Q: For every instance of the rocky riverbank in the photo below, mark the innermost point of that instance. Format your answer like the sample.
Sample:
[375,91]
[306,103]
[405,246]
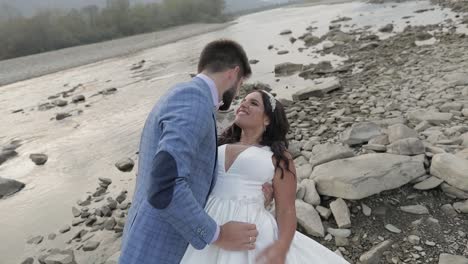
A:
[380,145]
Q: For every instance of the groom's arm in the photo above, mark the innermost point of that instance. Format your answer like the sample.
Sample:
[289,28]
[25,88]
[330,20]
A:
[184,122]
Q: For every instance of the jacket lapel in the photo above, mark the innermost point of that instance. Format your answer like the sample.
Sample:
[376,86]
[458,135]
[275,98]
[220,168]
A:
[215,174]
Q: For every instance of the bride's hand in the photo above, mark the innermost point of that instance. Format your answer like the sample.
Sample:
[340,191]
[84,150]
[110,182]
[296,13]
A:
[273,254]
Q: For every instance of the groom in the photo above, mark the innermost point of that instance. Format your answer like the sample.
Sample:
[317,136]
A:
[177,166]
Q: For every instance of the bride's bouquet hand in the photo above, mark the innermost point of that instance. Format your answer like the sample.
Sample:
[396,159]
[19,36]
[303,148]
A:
[273,254]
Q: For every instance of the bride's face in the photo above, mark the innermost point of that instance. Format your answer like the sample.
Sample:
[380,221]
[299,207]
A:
[251,112]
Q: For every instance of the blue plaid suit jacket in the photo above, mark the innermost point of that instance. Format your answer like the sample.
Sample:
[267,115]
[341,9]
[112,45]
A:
[177,166]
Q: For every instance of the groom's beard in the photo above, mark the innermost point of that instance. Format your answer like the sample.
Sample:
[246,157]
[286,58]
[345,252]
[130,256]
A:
[228,97]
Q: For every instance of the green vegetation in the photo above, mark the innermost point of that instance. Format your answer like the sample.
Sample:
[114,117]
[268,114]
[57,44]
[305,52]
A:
[55,29]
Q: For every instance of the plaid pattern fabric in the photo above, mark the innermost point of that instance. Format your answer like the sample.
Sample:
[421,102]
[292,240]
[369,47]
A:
[182,124]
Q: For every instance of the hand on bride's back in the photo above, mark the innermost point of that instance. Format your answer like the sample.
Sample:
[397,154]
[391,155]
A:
[237,236]
[273,254]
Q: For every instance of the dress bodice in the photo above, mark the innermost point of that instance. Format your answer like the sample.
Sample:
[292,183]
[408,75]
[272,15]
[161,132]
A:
[249,171]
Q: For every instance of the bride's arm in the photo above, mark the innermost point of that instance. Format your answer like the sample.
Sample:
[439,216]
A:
[284,184]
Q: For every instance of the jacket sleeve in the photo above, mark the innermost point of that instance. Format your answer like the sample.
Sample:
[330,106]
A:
[185,120]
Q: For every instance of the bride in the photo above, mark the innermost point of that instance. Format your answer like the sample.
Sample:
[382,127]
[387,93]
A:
[251,152]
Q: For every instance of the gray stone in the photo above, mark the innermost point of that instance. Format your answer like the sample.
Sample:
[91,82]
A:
[318,90]
[90,245]
[9,187]
[311,195]
[303,172]
[35,240]
[453,191]
[123,195]
[374,255]
[461,207]
[64,229]
[392,228]
[78,221]
[106,181]
[60,259]
[375,147]
[360,133]
[366,210]
[387,28]
[432,117]
[125,165]
[399,131]
[344,233]
[415,240]
[51,236]
[428,184]
[300,192]
[449,210]
[309,219]
[464,139]
[286,32]
[287,68]
[61,116]
[78,99]
[28,261]
[7,154]
[368,46]
[38,159]
[325,213]
[452,169]
[110,224]
[407,146]
[450,106]
[76,212]
[60,102]
[327,152]
[341,213]
[282,52]
[415,209]
[452,259]
[379,140]
[360,177]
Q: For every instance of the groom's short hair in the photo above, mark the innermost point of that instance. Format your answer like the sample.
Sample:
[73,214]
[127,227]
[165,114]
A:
[224,54]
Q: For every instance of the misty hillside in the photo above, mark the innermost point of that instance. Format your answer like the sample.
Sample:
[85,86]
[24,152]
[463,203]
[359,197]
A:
[240,5]
[28,7]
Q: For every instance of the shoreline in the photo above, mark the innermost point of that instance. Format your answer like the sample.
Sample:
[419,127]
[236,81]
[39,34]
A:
[36,65]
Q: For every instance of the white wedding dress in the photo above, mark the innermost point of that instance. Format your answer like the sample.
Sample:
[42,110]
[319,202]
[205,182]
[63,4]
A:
[238,196]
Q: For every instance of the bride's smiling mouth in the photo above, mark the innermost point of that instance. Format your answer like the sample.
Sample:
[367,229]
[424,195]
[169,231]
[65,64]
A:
[242,110]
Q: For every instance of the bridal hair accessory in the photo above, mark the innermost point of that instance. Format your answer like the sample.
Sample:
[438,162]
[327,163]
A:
[272,100]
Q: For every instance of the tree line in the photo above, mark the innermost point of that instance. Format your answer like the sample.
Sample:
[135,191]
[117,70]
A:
[52,29]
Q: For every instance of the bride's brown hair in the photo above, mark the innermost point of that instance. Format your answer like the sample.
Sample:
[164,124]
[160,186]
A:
[274,135]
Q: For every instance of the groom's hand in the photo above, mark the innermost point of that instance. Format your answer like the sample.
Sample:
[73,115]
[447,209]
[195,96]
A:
[268,192]
[237,236]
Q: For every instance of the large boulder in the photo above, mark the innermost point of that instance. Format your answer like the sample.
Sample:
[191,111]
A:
[452,259]
[452,169]
[309,219]
[287,68]
[360,177]
[400,131]
[327,152]
[9,187]
[432,117]
[407,146]
[360,133]
[318,90]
